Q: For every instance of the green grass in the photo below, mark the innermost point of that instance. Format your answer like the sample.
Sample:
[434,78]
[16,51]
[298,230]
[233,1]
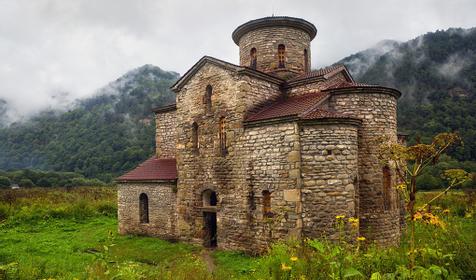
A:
[72,234]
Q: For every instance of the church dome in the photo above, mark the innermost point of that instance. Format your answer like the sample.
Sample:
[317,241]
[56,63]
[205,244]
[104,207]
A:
[278,45]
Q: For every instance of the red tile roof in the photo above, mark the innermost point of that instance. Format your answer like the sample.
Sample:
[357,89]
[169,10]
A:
[349,85]
[288,107]
[318,73]
[324,114]
[151,170]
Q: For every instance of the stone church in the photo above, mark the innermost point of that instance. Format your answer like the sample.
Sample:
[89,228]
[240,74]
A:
[266,150]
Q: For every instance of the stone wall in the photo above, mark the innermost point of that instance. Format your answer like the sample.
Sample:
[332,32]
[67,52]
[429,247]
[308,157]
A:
[266,41]
[162,199]
[273,164]
[329,154]
[376,107]
[165,134]
[232,96]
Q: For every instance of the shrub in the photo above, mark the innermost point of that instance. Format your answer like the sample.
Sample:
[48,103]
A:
[108,209]
[45,183]
[5,211]
[4,182]
[77,182]
[428,182]
[26,183]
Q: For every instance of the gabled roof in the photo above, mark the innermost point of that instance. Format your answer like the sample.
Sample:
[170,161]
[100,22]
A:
[153,169]
[226,65]
[323,73]
[289,107]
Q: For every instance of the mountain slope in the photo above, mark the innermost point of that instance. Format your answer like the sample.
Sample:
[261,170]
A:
[102,136]
[436,73]
[360,62]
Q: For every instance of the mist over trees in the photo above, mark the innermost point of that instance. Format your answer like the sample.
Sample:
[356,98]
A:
[103,136]
[436,73]
[113,131]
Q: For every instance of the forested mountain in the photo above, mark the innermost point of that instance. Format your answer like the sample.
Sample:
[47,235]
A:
[101,136]
[3,111]
[436,73]
[112,132]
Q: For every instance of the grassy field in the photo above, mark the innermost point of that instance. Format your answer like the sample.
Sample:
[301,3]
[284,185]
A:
[71,234]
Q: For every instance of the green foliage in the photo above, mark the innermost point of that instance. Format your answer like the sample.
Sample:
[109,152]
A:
[30,178]
[45,183]
[38,205]
[101,137]
[63,233]
[428,182]
[26,183]
[5,182]
[436,73]
[442,253]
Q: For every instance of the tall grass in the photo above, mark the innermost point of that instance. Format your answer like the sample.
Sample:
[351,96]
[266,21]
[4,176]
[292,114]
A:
[42,204]
[447,252]
[71,234]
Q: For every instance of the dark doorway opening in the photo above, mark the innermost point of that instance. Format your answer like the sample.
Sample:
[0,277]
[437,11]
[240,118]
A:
[210,229]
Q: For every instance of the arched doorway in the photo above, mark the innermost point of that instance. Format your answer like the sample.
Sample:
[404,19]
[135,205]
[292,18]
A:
[209,199]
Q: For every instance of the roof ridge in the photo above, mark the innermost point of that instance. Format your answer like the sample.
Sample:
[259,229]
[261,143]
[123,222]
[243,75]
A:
[316,106]
[225,64]
[323,72]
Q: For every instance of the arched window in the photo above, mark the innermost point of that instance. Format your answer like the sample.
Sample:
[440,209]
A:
[267,204]
[195,142]
[209,198]
[143,208]
[281,56]
[387,185]
[222,136]
[207,98]
[306,61]
[253,58]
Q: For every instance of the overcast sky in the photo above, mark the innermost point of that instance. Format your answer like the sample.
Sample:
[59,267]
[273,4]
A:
[53,51]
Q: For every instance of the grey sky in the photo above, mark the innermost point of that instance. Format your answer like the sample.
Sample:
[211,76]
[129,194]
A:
[53,51]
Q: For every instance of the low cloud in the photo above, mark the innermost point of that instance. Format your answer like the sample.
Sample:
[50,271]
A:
[55,51]
[453,65]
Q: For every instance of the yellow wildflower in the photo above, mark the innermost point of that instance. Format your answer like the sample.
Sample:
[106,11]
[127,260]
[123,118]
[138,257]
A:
[360,238]
[340,217]
[433,220]
[410,252]
[284,267]
[417,216]
[294,258]
[354,222]
[401,187]
[446,211]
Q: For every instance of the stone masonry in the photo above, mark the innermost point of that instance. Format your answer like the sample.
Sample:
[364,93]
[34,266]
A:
[251,155]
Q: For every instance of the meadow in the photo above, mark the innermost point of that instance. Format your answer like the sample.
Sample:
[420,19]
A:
[71,233]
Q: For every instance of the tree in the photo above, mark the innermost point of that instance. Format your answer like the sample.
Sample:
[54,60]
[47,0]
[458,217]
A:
[44,182]
[410,163]
[4,182]
[26,183]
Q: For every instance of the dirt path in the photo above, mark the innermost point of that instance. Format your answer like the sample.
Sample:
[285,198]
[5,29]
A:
[206,255]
